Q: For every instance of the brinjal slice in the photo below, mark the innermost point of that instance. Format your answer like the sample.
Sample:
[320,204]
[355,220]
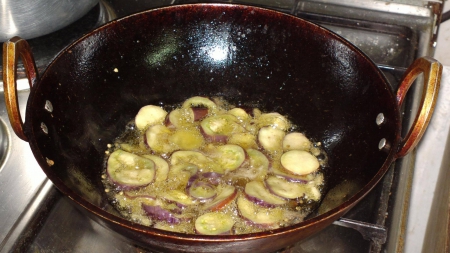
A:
[186,139]
[245,140]
[296,141]
[190,157]
[218,128]
[226,194]
[178,197]
[180,174]
[239,113]
[271,139]
[299,162]
[159,213]
[202,190]
[149,115]
[285,189]
[161,166]
[259,163]
[257,192]
[157,137]
[129,171]
[289,176]
[214,224]
[274,120]
[180,118]
[199,102]
[259,215]
[229,157]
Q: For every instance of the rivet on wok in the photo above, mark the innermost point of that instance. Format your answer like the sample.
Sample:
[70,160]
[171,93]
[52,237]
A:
[44,128]
[380,119]
[48,106]
[382,144]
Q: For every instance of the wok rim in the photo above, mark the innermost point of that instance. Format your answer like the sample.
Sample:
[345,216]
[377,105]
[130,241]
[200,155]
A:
[325,218]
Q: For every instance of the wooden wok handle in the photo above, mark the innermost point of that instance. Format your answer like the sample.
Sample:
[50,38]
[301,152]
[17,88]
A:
[432,71]
[11,50]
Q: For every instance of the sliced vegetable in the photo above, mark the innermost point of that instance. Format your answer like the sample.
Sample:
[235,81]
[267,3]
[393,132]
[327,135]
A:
[157,137]
[159,213]
[190,157]
[274,120]
[259,163]
[229,157]
[134,202]
[312,192]
[257,192]
[199,102]
[202,190]
[199,113]
[183,168]
[216,138]
[245,140]
[269,217]
[128,171]
[180,117]
[178,197]
[149,115]
[212,177]
[180,174]
[285,189]
[296,141]
[214,224]
[239,113]
[289,176]
[187,139]
[299,162]
[271,138]
[209,177]
[161,166]
[218,128]
[256,170]
[226,194]
[203,166]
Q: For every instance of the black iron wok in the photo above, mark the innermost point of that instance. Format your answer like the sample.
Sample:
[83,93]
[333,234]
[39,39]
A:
[248,55]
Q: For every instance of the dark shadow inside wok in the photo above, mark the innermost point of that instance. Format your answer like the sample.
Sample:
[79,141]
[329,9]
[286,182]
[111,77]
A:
[247,55]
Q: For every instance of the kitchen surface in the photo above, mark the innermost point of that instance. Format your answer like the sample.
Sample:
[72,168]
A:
[37,218]
[430,160]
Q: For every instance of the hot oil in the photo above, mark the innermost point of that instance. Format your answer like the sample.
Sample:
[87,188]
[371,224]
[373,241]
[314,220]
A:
[133,141]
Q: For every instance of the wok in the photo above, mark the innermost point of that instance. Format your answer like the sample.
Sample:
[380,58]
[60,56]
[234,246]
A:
[248,55]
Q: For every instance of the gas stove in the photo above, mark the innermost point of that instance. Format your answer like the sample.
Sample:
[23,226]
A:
[35,217]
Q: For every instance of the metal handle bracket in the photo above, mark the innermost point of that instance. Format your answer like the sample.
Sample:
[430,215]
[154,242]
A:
[12,49]
[432,72]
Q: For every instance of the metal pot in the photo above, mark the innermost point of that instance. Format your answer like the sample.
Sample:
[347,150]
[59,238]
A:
[327,86]
[30,19]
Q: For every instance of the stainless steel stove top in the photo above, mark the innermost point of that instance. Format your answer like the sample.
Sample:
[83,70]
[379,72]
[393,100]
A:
[35,217]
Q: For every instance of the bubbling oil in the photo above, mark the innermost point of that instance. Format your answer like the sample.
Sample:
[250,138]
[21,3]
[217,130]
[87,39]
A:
[130,202]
